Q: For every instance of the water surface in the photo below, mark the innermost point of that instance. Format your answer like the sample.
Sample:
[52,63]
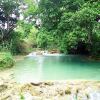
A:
[43,68]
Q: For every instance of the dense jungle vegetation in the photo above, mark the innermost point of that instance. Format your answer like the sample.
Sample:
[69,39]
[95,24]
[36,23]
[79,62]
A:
[70,26]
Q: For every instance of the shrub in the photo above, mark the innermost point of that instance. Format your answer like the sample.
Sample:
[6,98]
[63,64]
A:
[42,39]
[19,44]
[46,39]
[23,47]
[31,39]
[6,60]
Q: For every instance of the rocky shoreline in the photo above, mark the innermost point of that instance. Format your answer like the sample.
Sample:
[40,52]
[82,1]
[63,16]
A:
[65,90]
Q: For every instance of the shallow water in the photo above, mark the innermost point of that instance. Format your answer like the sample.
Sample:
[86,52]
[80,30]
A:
[57,67]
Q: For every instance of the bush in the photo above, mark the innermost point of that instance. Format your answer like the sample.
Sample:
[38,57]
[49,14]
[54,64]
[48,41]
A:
[46,39]
[42,38]
[23,42]
[20,45]
[23,47]
[31,39]
[6,60]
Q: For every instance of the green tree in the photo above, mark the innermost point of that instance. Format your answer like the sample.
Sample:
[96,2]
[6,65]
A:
[73,23]
[8,17]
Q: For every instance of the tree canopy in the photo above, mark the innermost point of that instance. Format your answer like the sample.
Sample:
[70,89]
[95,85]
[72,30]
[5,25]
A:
[71,26]
[8,17]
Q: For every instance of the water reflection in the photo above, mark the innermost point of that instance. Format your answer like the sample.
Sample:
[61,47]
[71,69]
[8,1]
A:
[39,67]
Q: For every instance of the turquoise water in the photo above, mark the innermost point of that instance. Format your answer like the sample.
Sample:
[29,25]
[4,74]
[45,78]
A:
[70,67]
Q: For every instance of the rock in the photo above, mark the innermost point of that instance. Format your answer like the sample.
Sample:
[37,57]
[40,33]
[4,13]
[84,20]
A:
[27,96]
[94,95]
[48,83]
[10,90]
[1,81]
[36,83]
[39,53]
[54,51]
[68,91]
[61,92]
[3,87]
[6,98]
[36,98]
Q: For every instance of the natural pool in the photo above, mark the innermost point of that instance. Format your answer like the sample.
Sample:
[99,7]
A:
[56,67]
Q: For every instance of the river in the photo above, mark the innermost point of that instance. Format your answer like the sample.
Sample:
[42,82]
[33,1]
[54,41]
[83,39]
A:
[56,67]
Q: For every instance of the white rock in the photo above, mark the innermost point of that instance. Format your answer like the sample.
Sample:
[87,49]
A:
[95,96]
[28,96]
[1,82]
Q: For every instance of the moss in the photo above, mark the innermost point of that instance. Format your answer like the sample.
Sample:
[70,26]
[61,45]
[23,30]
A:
[6,60]
[22,97]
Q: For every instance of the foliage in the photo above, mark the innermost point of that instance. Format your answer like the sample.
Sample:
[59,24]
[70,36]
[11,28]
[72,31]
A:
[19,45]
[46,40]
[27,37]
[31,8]
[52,10]
[74,24]
[23,28]
[8,18]
[6,60]
[32,37]
[14,32]
[22,97]
[42,39]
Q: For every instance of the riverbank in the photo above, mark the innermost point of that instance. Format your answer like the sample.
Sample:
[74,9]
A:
[65,90]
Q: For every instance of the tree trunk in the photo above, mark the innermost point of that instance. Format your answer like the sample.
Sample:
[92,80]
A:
[8,26]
